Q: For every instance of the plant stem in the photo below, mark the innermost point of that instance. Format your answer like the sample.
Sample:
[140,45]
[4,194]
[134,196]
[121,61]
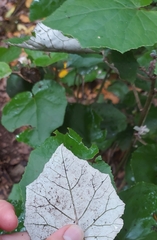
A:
[124,160]
[143,116]
[102,85]
[137,97]
[148,103]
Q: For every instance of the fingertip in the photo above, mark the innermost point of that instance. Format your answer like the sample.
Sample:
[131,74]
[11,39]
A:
[69,232]
[8,218]
[74,232]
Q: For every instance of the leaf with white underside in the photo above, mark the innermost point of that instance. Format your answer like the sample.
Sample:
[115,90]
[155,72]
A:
[51,40]
[70,191]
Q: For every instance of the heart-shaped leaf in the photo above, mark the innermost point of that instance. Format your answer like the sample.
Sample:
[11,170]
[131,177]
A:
[46,111]
[116,24]
[70,191]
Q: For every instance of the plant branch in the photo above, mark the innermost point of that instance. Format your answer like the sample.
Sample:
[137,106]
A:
[152,78]
[143,77]
[102,85]
[148,103]
[137,97]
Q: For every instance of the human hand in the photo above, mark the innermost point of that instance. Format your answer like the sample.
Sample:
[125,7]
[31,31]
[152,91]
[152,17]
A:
[9,221]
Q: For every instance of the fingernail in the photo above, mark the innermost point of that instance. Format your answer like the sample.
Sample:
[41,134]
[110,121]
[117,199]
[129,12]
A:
[74,232]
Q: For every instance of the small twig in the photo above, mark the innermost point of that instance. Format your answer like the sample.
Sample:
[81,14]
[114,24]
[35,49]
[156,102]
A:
[83,92]
[19,6]
[20,75]
[78,88]
[143,77]
[102,85]
[124,160]
[137,97]
[152,78]
[148,103]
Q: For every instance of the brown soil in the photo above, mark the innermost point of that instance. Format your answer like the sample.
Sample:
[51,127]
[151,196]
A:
[13,155]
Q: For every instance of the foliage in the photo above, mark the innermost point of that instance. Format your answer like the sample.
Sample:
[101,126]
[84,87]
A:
[51,97]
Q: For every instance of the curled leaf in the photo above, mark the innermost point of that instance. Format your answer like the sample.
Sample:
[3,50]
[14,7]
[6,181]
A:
[70,191]
[51,40]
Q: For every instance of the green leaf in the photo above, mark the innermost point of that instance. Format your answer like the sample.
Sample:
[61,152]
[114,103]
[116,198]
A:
[151,122]
[16,84]
[16,193]
[113,120]
[42,59]
[4,70]
[145,156]
[9,54]
[120,89]
[90,75]
[17,40]
[90,21]
[42,154]
[141,205]
[84,60]
[87,124]
[126,65]
[42,109]
[104,168]
[73,142]
[124,138]
[69,79]
[42,8]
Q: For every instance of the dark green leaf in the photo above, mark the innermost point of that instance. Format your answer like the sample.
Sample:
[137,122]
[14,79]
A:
[151,121]
[126,65]
[87,124]
[144,164]
[124,138]
[120,89]
[84,60]
[113,120]
[16,84]
[42,8]
[141,204]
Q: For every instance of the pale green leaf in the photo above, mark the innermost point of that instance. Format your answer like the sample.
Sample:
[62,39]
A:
[4,70]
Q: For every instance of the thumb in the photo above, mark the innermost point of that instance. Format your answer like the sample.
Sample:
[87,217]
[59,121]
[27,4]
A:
[69,232]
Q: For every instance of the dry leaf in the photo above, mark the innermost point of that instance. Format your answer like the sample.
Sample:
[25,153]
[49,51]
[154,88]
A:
[28,3]
[70,191]
[24,18]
